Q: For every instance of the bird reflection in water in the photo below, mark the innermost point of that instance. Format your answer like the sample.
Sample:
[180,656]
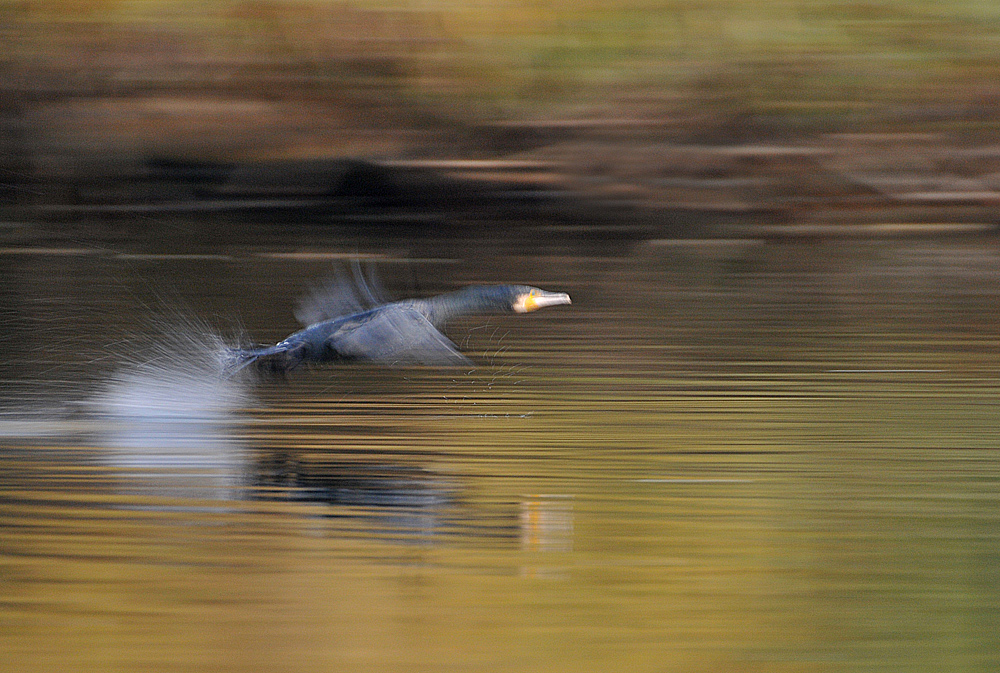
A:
[388,499]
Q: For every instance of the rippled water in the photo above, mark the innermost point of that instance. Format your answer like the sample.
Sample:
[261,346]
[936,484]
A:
[724,456]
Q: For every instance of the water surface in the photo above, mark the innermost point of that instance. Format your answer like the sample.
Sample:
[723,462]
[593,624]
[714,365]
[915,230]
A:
[724,456]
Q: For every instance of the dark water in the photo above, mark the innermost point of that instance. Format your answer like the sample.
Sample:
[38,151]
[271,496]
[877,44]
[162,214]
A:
[724,456]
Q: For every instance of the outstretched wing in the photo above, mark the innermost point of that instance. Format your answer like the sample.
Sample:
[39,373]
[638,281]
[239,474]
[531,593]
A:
[341,295]
[395,334]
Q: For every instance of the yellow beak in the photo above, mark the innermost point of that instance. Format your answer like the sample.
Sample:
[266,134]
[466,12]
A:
[537,300]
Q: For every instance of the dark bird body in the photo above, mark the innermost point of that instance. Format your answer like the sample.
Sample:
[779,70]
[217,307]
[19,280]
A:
[404,332]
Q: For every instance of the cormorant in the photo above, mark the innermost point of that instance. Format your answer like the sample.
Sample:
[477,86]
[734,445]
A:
[402,332]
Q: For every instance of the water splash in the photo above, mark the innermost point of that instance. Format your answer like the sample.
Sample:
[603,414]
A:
[180,372]
[168,412]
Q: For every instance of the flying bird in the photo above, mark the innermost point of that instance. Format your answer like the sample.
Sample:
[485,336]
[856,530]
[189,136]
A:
[407,332]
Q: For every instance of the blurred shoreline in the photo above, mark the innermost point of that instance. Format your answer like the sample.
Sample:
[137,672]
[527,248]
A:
[686,119]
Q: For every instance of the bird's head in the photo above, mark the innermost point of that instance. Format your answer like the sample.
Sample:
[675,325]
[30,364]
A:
[526,299]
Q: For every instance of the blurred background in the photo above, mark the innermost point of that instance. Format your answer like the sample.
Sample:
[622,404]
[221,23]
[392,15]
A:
[762,438]
[806,109]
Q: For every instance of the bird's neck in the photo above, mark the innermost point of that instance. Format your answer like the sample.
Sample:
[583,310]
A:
[441,309]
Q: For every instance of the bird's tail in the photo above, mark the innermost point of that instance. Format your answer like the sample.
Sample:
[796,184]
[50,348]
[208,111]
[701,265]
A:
[279,359]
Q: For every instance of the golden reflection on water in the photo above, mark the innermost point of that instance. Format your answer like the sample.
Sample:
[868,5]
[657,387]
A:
[782,461]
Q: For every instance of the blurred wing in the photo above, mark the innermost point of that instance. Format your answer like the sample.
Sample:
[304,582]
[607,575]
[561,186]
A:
[344,294]
[396,335]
